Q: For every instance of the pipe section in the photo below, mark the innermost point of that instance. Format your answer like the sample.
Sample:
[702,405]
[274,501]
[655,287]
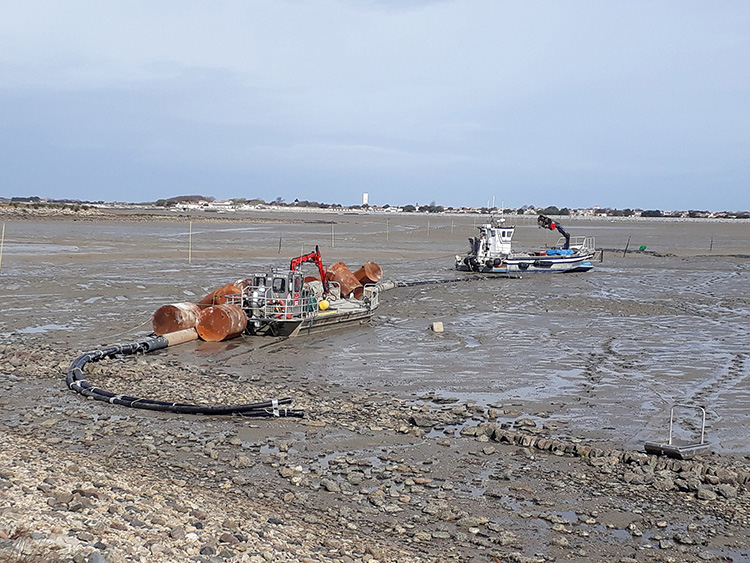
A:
[369,273]
[340,273]
[174,317]
[221,322]
[219,296]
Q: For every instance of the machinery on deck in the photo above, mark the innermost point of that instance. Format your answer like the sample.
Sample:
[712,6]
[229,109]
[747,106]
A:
[284,302]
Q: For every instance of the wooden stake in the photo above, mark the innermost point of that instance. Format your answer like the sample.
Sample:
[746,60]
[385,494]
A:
[626,248]
[190,244]
[2,243]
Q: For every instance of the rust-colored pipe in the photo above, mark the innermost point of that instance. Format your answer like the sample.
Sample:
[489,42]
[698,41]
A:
[221,322]
[369,273]
[340,273]
[175,317]
[181,336]
[219,296]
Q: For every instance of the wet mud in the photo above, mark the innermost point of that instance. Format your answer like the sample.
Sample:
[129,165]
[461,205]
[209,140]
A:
[596,358]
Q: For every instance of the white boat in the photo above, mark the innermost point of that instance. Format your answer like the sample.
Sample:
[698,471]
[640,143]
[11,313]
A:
[491,252]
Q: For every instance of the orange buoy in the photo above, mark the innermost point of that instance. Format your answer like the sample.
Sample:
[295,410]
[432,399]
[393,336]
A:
[369,273]
[174,317]
[219,296]
[220,322]
[339,272]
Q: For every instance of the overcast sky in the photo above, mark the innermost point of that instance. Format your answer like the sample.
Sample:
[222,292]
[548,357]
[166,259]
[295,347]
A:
[626,104]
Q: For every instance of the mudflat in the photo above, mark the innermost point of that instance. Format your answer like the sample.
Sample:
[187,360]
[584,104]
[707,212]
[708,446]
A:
[515,435]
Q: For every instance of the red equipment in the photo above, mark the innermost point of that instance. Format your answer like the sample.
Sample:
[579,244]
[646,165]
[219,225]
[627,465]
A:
[312,257]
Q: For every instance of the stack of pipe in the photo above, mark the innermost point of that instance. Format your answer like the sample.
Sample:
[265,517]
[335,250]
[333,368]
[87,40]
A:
[339,272]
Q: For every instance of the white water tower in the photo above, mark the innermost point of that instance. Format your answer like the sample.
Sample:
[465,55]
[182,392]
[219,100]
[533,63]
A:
[365,198]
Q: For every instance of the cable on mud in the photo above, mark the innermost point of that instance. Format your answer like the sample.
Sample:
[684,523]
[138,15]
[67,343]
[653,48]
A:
[76,381]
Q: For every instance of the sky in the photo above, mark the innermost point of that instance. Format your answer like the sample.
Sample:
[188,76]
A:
[620,104]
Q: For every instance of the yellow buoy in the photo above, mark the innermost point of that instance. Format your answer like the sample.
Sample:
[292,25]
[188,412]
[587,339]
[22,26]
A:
[323,305]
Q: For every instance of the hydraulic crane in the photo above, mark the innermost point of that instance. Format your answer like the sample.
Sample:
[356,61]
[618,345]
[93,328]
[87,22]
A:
[312,257]
[547,223]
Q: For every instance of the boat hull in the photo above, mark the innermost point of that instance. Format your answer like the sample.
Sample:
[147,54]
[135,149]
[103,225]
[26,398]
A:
[532,265]
[315,323]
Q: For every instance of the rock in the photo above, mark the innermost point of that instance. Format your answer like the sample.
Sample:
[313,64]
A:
[96,557]
[330,485]
[706,493]
[727,491]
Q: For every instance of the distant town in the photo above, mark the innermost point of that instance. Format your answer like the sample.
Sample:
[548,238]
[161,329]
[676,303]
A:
[208,204]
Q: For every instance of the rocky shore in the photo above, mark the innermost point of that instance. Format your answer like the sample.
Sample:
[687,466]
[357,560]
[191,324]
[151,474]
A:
[362,478]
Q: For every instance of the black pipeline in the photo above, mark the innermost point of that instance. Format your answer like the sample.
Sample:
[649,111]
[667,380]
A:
[77,382]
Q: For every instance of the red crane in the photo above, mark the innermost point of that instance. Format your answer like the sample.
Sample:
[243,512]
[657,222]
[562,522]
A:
[312,257]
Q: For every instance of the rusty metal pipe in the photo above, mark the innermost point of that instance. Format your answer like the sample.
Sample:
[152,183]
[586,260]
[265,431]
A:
[369,273]
[340,273]
[221,322]
[219,296]
[175,317]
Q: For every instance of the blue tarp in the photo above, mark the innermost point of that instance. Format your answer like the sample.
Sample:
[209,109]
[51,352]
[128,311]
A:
[559,252]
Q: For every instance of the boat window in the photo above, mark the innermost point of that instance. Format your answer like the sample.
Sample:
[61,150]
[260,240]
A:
[259,281]
[279,285]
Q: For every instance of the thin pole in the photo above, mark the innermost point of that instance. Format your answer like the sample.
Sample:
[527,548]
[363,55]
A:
[387,219]
[190,244]
[626,248]
[279,244]
[333,239]
[2,243]
[711,248]
[428,229]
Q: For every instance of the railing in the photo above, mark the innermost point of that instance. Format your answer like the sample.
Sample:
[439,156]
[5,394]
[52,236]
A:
[372,292]
[281,308]
[583,243]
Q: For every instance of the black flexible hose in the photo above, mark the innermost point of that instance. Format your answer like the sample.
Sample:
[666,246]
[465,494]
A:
[76,381]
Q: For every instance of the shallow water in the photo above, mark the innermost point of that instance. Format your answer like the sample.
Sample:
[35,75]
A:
[604,354]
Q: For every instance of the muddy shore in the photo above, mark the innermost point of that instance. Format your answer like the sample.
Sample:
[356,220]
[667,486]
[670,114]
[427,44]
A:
[516,435]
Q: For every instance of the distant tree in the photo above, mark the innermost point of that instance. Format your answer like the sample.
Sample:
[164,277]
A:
[409,208]
[652,213]
[551,210]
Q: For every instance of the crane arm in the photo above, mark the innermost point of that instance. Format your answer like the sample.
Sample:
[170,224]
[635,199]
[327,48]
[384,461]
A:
[547,223]
[312,257]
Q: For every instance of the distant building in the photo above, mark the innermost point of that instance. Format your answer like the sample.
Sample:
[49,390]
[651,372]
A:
[365,198]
